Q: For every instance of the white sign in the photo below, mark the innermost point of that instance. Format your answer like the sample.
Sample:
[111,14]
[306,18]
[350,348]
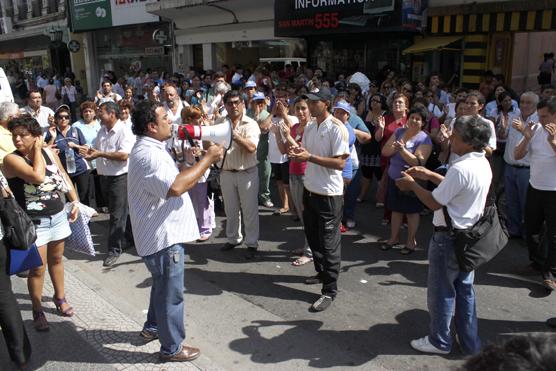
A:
[131,12]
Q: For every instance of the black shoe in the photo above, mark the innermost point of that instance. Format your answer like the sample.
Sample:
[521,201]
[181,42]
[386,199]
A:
[321,304]
[313,280]
[110,260]
[148,335]
[551,322]
[229,246]
[251,253]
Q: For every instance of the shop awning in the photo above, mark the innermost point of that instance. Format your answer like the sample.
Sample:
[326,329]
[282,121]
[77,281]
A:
[429,44]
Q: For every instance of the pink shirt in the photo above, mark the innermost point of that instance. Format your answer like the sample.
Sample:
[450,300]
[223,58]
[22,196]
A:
[297,168]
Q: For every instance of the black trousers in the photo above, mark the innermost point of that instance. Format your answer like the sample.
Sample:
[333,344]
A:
[114,190]
[321,217]
[13,330]
[83,186]
[540,209]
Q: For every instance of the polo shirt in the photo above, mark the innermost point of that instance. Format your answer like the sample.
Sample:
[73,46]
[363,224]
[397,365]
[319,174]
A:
[118,139]
[6,143]
[158,222]
[463,191]
[41,115]
[513,139]
[329,139]
[237,158]
[543,160]
[62,144]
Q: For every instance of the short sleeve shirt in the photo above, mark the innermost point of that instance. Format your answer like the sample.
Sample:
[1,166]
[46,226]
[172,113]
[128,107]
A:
[118,139]
[543,160]
[237,158]
[329,139]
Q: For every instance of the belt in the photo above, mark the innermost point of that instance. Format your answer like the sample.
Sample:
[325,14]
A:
[234,170]
[520,166]
[441,229]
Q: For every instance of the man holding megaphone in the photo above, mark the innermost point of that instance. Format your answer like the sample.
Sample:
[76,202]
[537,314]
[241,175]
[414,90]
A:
[163,220]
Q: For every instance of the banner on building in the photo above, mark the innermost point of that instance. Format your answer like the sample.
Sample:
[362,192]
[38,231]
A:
[86,15]
[315,17]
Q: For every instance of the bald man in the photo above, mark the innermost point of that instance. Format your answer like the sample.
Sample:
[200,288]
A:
[173,104]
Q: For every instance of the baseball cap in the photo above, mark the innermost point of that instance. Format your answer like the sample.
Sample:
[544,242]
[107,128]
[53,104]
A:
[250,84]
[320,95]
[343,105]
[62,106]
[258,96]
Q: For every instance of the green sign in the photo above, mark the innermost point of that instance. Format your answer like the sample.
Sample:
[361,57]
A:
[90,14]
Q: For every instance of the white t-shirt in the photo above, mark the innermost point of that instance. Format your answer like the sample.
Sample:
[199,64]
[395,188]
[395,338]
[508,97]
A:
[176,119]
[41,115]
[112,97]
[329,139]
[463,191]
[543,160]
[274,154]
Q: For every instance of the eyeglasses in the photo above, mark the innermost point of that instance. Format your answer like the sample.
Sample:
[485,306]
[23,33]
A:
[63,117]
[233,102]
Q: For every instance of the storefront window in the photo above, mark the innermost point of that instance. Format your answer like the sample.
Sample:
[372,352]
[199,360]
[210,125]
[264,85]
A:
[249,53]
[126,50]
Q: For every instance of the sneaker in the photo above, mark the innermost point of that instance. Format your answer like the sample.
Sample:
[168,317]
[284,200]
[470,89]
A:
[268,204]
[350,223]
[322,303]
[425,346]
[110,260]
[148,335]
[229,246]
[549,284]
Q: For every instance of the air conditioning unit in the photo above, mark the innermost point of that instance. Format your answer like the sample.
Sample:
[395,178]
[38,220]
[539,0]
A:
[6,24]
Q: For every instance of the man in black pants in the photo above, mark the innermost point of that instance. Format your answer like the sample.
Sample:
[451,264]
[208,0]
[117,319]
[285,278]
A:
[539,141]
[112,147]
[325,148]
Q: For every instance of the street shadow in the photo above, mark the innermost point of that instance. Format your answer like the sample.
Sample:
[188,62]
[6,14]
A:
[323,348]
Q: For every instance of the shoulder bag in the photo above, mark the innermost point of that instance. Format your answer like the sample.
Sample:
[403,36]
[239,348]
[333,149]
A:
[481,242]
[19,230]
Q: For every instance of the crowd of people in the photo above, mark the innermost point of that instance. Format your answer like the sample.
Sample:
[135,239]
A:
[323,143]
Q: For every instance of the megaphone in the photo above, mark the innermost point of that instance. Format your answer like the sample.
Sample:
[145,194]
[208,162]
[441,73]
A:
[219,134]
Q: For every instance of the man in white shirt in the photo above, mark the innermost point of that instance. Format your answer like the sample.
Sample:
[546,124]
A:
[539,142]
[111,150]
[173,104]
[516,172]
[475,102]
[163,219]
[34,107]
[106,94]
[463,191]
[325,148]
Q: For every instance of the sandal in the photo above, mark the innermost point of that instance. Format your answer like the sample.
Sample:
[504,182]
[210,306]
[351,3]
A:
[58,303]
[203,238]
[386,246]
[302,261]
[39,321]
[406,250]
[280,211]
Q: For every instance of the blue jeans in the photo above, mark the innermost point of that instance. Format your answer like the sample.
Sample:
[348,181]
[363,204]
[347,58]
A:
[516,182]
[350,198]
[166,306]
[450,291]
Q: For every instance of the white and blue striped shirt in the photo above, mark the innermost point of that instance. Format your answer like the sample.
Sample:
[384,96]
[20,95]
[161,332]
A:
[157,222]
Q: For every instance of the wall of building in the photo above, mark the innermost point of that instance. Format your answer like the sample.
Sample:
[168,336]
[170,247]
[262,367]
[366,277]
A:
[529,48]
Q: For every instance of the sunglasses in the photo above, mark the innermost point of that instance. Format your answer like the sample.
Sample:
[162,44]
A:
[63,117]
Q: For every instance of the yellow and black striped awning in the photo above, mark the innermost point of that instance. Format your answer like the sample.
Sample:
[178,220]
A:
[511,21]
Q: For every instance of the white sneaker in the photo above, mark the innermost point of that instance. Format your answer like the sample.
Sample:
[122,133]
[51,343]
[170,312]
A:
[350,223]
[425,346]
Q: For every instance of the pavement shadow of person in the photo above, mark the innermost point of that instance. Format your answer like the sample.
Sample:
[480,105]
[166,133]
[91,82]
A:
[415,273]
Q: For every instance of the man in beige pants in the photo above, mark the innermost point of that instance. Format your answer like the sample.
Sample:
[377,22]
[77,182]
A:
[239,178]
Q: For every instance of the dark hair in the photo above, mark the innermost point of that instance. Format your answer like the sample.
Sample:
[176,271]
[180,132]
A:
[144,114]
[231,94]
[477,94]
[124,105]
[32,91]
[519,353]
[88,105]
[548,103]
[421,112]
[111,107]
[27,122]
[383,101]
[61,109]
[474,131]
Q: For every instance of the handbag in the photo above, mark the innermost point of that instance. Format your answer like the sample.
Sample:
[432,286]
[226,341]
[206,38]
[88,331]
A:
[481,242]
[19,230]
[80,239]
[22,260]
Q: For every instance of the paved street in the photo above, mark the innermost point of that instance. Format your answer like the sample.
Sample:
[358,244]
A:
[253,315]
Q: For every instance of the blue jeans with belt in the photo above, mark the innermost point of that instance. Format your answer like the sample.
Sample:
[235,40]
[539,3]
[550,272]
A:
[450,293]
[166,307]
